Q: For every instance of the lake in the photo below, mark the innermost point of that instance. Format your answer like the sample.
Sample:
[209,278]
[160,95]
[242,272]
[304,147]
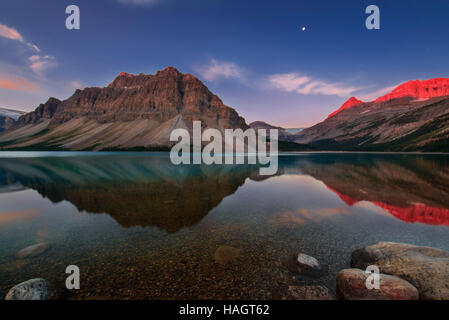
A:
[139,227]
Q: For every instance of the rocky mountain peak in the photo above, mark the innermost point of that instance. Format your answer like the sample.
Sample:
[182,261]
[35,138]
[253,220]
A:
[348,104]
[43,111]
[169,72]
[417,89]
[137,110]
[126,80]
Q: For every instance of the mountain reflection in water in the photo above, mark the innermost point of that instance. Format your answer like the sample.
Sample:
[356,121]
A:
[139,190]
[135,191]
[412,188]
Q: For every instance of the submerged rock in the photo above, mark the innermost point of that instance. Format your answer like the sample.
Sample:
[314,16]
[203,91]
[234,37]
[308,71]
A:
[425,268]
[309,293]
[226,254]
[33,251]
[305,261]
[34,289]
[304,264]
[351,285]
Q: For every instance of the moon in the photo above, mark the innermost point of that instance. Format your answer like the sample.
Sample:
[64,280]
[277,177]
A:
[303,28]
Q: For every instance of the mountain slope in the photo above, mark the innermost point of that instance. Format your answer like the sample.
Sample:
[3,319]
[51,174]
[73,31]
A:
[8,117]
[10,113]
[133,111]
[284,133]
[413,117]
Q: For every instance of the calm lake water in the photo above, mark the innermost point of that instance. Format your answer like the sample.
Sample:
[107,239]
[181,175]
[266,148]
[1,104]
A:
[139,227]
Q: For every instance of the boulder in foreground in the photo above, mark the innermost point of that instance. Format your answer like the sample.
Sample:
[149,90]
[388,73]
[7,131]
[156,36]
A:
[425,268]
[34,289]
[351,285]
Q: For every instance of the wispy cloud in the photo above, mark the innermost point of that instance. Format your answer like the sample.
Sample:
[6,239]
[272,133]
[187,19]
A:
[217,70]
[76,85]
[303,84]
[376,94]
[12,82]
[39,64]
[13,34]
[139,2]
[31,69]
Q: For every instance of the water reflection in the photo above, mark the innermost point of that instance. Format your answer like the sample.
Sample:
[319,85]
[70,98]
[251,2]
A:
[412,188]
[150,191]
[135,191]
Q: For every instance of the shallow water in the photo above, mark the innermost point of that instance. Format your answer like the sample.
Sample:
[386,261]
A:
[139,227]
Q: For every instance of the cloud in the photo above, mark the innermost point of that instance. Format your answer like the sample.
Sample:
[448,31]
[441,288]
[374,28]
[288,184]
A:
[10,33]
[302,84]
[217,70]
[138,2]
[13,34]
[376,94]
[17,84]
[76,85]
[39,64]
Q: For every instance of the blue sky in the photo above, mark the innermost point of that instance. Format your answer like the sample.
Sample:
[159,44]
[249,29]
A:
[252,54]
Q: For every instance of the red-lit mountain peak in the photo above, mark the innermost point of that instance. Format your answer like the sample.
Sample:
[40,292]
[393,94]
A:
[124,74]
[417,89]
[348,104]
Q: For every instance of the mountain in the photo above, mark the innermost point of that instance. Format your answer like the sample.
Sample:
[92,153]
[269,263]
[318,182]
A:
[285,137]
[293,130]
[284,133]
[133,111]
[412,117]
[399,184]
[10,113]
[427,89]
[8,117]
[348,104]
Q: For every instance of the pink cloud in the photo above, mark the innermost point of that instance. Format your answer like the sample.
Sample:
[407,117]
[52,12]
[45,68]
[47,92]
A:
[17,84]
[216,70]
[10,33]
[302,84]
[13,34]
[39,64]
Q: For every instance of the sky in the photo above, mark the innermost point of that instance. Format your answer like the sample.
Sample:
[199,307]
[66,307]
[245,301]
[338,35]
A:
[254,55]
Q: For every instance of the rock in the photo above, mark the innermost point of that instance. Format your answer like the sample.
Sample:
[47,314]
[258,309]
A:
[226,254]
[348,104]
[399,115]
[309,293]
[417,89]
[143,110]
[424,267]
[351,285]
[33,251]
[34,289]
[305,261]
[6,122]
[304,264]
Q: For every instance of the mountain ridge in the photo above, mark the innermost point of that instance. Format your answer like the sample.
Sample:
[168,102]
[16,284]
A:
[412,117]
[8,118]
[132,111]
